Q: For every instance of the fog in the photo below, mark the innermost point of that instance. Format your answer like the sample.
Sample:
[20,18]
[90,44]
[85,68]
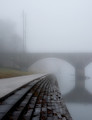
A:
[10,41]
[51,25]
[31,29]
[60,68]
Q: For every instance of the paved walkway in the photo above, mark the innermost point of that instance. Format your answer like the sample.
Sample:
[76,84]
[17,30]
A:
[10,84]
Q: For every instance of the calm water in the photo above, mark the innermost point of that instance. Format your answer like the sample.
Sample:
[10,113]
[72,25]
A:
[80,105]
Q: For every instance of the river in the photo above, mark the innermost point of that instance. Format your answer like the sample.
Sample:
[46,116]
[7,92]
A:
[80,105]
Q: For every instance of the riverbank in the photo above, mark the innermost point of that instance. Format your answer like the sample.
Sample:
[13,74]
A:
[8,73]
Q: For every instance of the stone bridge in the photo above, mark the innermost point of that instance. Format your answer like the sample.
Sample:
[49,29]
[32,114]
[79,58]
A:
[78,60]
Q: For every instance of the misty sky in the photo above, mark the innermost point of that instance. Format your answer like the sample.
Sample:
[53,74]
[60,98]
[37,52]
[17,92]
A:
[52,25]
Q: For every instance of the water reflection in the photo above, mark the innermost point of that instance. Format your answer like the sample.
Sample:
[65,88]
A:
[80,111]
[78,96]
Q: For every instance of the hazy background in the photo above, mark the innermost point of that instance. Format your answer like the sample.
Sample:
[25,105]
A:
[52,25]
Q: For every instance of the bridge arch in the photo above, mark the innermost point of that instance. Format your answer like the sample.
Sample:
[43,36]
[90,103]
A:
[89,62]
[36,58]
[52,59]
[63,70]
[88,74]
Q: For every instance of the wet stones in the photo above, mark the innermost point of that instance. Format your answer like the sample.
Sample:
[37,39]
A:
[37,101]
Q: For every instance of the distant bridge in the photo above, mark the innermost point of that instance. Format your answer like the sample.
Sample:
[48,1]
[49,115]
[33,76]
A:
[78,60]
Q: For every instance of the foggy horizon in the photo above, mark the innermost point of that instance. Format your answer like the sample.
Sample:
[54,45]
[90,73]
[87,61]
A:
[51,26]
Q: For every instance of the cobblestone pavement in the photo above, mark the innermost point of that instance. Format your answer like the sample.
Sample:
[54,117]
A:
[38,100]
